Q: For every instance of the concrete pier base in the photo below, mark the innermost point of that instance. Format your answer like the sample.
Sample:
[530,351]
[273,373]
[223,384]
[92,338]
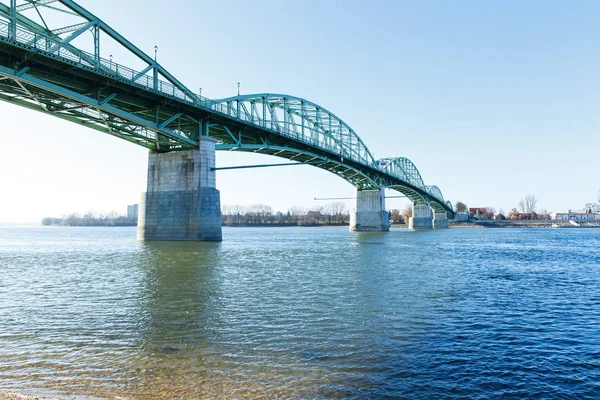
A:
[370,213]
[421,218]
[181,201]
[440,220]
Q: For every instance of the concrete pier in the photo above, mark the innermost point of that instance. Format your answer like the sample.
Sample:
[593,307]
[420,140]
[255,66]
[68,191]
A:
[181,201]
[440,220]
[370,213]
[421,218]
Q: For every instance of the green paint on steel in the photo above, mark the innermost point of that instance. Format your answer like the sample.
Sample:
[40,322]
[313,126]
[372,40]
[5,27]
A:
[265,165]
[42,69]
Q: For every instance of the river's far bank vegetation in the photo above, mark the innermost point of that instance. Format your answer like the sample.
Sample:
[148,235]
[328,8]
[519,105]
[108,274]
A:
[331,214]
[91,219]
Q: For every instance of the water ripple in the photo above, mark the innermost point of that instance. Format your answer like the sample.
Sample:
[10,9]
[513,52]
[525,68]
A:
[302,313]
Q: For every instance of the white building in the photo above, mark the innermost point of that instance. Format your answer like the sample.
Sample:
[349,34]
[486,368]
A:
[575,216]
[132,211]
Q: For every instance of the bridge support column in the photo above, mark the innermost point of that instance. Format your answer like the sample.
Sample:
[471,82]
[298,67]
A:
[181,201]
[370,214]
[440,220]
[421,218]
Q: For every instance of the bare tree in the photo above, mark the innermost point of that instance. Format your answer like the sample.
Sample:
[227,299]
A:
[522,205]
[226,209]
[543,214]
[460,207]
[528,204]
[531,203]
[335,208]
[297,211]
[489,213]
[407,213]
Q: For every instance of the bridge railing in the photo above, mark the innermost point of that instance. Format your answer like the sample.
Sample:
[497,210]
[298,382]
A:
[315,138]
[53,48]
[65,52]
[56,49]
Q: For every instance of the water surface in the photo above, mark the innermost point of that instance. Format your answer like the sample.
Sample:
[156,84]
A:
[302,313]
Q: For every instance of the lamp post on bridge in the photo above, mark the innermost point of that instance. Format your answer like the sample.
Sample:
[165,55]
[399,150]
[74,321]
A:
[200,93]
[238,88]
[155,51]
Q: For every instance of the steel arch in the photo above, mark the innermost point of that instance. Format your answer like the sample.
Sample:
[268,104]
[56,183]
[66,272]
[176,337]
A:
[298,119]
[436,192]
[66,72]
[404,169]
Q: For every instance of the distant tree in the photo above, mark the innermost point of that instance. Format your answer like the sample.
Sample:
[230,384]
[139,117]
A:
[460,207]
[335,208]
[225,209]
[297,211]
[489,213]
[522,205]
[73,219]
[396,215]
[528,204]
[407,213]
[335,212]
[52,221]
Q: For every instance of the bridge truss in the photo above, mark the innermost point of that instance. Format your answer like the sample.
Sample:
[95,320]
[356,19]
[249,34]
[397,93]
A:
[51,60]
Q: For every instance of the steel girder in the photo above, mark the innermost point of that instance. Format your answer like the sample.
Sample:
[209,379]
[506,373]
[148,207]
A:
[406,171]
[41,68]
[306,122]
[298,119]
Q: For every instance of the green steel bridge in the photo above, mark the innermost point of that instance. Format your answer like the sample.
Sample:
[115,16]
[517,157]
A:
[59,69]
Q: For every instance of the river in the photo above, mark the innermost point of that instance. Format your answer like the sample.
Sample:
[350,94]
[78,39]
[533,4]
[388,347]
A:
[313,313]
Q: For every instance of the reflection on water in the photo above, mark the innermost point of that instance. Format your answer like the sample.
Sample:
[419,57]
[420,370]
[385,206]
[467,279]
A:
[301,313]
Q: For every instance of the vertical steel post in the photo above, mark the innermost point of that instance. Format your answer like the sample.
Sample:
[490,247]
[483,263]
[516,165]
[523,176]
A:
[204,128]
[97,45]
[155,76]
[285,115]
[303,116]
[264,113]
[13,19]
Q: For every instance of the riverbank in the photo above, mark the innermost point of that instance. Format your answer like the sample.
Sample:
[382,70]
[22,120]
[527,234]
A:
[522,224]
[30,396]
[21,396]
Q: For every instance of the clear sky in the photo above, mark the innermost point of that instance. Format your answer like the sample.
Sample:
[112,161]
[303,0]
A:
[491,100]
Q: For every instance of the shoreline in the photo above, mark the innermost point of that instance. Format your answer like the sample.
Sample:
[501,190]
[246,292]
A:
[546,224]
[46,395]
[451,224]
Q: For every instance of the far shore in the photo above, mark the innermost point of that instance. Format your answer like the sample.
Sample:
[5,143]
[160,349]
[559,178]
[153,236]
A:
[523,224]
[451,224]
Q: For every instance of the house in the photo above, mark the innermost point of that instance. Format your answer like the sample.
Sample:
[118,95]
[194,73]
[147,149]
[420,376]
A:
[477,212]
[578,215]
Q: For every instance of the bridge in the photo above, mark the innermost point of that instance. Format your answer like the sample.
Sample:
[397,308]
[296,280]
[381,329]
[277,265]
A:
[51,61]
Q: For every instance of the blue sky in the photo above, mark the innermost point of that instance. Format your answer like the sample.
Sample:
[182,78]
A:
[491,100]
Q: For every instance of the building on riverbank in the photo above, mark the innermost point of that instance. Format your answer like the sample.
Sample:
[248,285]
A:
[132,211]
[579,215]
